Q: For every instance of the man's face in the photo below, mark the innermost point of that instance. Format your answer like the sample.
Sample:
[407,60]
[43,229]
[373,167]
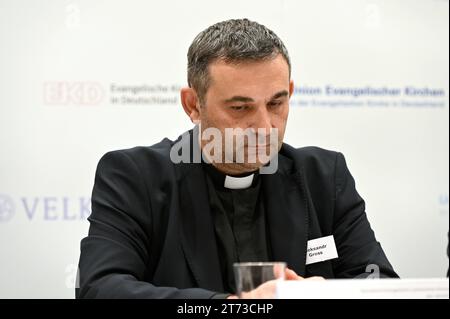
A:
[249,95]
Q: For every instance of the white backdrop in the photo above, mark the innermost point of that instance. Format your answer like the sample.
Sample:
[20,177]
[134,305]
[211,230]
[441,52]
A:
[80,78]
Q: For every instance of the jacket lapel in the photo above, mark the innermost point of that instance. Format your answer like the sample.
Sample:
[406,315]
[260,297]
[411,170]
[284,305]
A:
[287,215]
[196,226]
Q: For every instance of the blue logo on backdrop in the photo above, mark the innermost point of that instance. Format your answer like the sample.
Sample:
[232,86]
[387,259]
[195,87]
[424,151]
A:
[47,208]
[369,96]
[6,208]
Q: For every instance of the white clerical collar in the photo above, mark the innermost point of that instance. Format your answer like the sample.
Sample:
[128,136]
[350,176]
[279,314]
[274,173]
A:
[238,182]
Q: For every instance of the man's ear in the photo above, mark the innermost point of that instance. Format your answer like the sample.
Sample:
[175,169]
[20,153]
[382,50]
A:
[191,104]
[291,88]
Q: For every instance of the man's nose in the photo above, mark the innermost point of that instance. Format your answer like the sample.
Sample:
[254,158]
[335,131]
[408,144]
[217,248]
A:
[262,121]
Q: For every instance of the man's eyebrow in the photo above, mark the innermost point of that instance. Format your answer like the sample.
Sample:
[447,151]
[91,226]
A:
[238,98]
[279,94]
[246,99]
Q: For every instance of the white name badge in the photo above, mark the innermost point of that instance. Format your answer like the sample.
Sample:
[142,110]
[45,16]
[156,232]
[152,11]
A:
[321,249]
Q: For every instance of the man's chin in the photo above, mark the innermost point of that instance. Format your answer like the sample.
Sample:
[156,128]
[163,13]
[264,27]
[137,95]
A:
[239,168]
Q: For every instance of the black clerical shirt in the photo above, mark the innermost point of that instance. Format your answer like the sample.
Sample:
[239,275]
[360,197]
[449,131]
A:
[239,223]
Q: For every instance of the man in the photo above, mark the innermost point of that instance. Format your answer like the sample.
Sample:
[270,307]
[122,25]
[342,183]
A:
[168,223]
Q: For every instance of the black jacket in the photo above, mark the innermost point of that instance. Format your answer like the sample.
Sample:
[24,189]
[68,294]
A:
[151,233]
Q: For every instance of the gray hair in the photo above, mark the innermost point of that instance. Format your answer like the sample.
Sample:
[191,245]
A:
[232,41]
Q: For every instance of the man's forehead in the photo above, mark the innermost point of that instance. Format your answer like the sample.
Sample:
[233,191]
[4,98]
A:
[266,78]
[247,64]
[248,99]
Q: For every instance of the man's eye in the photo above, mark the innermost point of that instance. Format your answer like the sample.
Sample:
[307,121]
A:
[239,107]
[275,103]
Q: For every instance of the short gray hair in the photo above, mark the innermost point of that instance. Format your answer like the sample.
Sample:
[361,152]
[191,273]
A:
[233,41]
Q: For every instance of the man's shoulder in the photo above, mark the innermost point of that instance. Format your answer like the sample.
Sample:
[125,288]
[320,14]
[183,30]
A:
[319,167]
[310,155]
[316,164]
[143,156]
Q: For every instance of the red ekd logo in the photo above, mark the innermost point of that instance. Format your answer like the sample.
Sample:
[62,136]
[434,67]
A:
[73,93]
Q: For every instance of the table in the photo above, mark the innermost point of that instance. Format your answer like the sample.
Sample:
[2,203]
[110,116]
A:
[422,288]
